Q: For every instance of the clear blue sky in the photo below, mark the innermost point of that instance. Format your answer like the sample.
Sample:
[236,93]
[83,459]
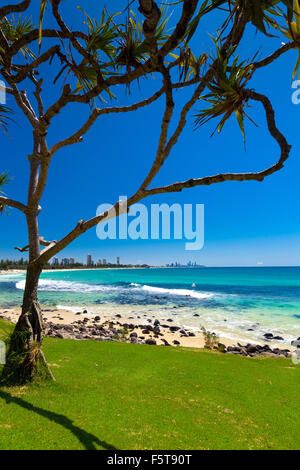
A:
[245,223]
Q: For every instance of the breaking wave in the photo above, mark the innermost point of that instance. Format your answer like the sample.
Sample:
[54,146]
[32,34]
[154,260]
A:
[181,292]
[66,286]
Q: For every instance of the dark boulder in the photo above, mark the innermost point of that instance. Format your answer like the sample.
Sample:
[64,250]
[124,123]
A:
[268,335]
[174,328]
[150,341]
[133,335]
[221,347]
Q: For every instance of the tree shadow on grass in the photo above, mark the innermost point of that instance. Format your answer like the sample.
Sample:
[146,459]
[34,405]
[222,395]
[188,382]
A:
[88,440]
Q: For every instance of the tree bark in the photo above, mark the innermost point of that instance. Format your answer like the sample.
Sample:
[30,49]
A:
[25,360]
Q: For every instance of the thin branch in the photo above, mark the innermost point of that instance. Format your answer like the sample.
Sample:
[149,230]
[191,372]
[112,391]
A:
[77,136]
[21,100]
[276,54]
[6,10]
[4,201]
[164,129]
[33,35]
[254,176]
[40,60]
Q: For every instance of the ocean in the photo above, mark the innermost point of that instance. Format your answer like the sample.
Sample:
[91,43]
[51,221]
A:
[233,302]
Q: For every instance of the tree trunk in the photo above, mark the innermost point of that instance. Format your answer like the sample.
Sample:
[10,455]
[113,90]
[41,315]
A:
[25,359]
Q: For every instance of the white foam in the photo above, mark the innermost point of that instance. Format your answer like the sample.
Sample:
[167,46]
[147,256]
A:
[181,292]
[74,309]
[66,286]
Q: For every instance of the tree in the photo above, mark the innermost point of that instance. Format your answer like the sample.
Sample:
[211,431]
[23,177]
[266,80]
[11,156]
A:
[120,50]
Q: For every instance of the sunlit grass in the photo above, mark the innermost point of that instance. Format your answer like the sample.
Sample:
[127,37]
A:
[125,396]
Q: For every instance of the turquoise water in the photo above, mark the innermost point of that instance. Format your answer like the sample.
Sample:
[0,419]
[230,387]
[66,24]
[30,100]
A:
[232,301]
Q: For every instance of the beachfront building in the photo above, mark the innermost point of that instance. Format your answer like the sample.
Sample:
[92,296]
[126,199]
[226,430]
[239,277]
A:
[104,261]
[118,259]
[89,261]
[55,262]
[72,260]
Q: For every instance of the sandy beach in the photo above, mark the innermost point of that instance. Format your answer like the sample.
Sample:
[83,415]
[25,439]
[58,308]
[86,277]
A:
[174,328]
[63,318]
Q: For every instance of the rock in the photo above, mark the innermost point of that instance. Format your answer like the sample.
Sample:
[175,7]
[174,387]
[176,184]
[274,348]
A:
[176,342]
[156,323]
[146,332]
[97,318]
[268,354]
[221,347]
[59,335]
[134,340]
[279,338]
[165,342]
[174,328]
[169,320]
[191,334]
[196,315]
[133,335]
[150,341]
[268,335]
[251,348]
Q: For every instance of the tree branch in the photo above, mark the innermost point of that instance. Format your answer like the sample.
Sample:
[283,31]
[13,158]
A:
[6,10]
[4,201]
[276,54]
[255,176]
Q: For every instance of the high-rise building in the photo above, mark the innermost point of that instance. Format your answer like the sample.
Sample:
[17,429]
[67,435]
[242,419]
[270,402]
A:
[89,261]
[99,262]
[72,260]
[55,262]
[65,261]
[118,259]
[104,261]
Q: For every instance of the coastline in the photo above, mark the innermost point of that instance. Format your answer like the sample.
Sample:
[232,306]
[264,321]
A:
[178,325]
[67,317]
[66,324]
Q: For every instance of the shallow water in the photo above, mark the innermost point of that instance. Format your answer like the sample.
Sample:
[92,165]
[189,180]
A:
[233,302]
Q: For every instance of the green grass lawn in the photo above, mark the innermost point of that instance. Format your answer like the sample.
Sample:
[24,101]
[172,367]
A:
[112,395]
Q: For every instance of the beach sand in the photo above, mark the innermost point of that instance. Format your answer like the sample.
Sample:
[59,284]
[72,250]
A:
[65,317]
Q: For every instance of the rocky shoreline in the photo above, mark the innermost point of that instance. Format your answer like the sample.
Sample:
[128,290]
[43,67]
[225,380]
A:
[148,334]
[82,326]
